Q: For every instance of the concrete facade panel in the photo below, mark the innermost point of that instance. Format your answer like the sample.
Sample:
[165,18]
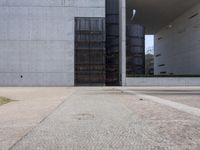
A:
[37,79]
[22,3]
[36,56]
[53,3]
[89,3]
[178,45]
[37,40]
[89,12]
[39,24]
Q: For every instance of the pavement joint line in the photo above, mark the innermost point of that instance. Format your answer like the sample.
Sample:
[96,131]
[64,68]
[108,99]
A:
[178,106]
[32,129]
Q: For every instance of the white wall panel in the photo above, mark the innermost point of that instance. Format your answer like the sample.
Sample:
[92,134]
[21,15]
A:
[179,46]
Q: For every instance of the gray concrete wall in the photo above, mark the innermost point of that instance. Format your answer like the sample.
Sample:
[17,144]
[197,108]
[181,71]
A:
[37,40]
[179,45]
[140,81]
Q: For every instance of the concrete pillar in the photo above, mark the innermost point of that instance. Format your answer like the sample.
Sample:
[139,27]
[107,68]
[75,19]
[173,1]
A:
[122,41]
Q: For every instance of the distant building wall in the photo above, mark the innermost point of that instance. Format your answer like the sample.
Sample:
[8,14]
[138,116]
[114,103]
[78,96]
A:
[177,45]
[37,40]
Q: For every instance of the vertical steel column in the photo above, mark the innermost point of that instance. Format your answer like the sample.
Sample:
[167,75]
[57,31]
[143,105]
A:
[122,41]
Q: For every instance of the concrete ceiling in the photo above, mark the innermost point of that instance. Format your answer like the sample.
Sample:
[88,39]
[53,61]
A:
[154,14]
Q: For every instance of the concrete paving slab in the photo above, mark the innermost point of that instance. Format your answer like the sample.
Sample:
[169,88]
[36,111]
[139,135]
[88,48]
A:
[109,118]
[185,95]
[187,98]
[178,106]
[31,105]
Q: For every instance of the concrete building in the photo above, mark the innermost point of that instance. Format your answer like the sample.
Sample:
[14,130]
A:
[39,38]
[177,45]
[176,26]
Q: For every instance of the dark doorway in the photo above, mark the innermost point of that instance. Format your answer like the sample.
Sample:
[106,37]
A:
[90,51]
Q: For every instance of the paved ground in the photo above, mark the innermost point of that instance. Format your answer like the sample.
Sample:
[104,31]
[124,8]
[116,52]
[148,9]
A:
[17,118]
[101,119]
[188,97]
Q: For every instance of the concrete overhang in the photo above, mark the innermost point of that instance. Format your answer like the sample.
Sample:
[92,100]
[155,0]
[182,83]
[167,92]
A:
[155,14]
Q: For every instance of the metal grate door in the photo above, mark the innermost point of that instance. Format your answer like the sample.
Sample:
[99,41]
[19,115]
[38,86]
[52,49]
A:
[112,42]
[90,51]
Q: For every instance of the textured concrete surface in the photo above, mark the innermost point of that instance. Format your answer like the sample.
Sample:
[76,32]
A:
[178,106]
[187,97]
[108,118]
[37,40]
[178,46]
[31,105]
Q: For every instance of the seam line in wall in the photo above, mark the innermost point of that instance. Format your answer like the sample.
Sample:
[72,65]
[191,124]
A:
[54,6]
[37,40]
[35,72]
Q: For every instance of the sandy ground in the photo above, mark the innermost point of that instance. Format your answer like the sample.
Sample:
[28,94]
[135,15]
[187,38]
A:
[100,118]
